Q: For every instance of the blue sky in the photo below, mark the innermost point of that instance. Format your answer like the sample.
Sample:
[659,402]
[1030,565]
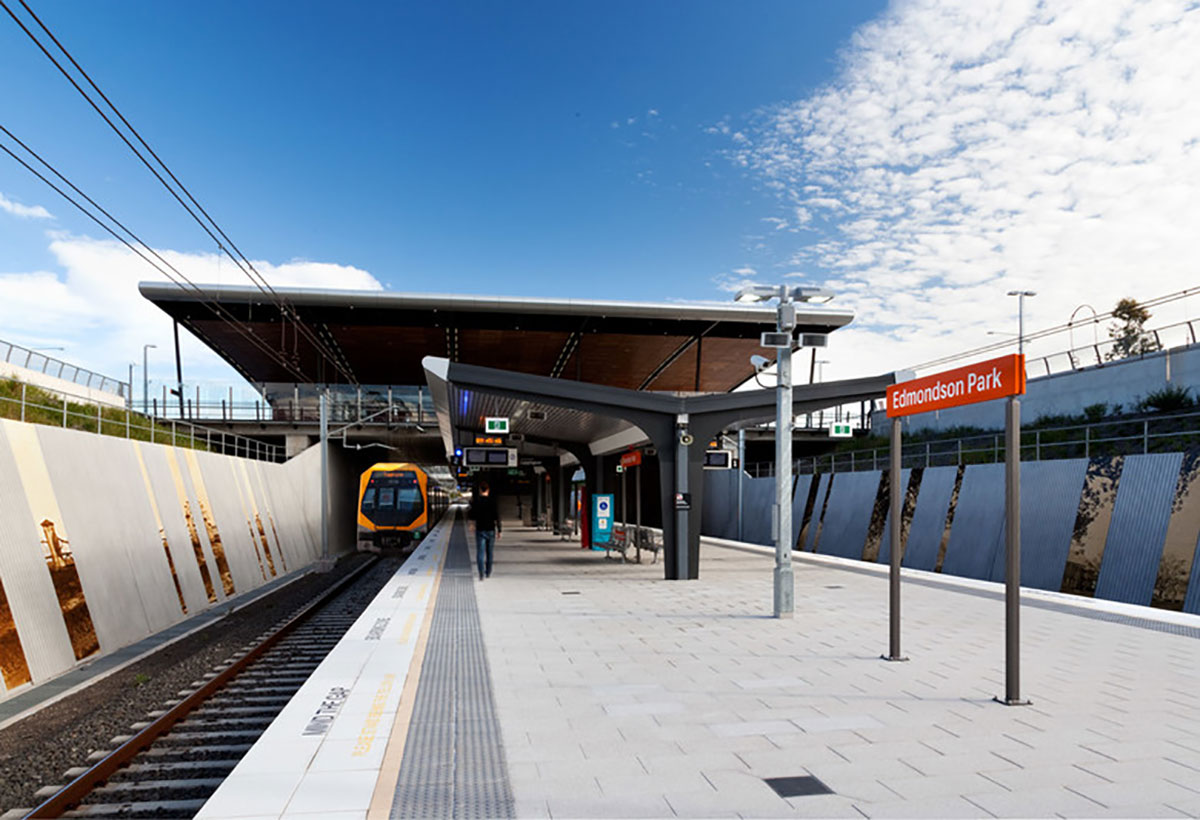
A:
[467,148]
[922,157]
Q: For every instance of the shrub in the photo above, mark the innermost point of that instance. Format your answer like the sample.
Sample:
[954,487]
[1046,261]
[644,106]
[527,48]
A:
[1170,398]
[1095,412]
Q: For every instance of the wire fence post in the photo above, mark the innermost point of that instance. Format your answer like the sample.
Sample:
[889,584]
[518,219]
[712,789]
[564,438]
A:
[64,412]
[1037,445]
[995,449]
[99,422]
[172,432]
[128,420]
[1087,442]
[152,430]
[1145,436]
[927,454]
[959,448]
[23,401]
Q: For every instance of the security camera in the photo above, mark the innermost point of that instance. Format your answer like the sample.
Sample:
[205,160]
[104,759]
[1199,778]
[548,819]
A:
[759,362]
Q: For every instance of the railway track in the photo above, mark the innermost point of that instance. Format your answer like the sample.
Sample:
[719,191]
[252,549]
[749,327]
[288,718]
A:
[177,757]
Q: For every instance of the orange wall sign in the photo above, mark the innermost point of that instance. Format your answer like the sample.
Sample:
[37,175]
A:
[631,459]
[993,379]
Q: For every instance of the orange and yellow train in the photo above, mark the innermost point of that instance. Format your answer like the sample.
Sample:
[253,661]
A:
[398,504]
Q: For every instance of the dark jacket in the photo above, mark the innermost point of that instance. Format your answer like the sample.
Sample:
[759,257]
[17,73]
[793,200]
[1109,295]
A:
[484,513]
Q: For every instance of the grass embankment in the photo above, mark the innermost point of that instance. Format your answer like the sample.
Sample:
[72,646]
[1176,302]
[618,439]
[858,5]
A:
[44,407]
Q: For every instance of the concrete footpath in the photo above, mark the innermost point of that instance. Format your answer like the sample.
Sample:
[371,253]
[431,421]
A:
[623,695]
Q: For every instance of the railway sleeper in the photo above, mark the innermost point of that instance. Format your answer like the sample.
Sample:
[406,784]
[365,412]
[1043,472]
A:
[155,809]
[217,723]
[169,753]
[214,767]
[222,738]
[250,710]
[181,789]
[249,700]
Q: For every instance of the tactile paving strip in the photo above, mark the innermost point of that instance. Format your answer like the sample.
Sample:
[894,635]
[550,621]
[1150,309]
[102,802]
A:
[454,762]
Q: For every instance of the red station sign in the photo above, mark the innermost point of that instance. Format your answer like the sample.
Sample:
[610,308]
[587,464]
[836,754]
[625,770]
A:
[631,459]
[983,381]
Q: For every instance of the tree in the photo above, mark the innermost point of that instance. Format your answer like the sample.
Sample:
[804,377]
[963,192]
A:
[1130,337]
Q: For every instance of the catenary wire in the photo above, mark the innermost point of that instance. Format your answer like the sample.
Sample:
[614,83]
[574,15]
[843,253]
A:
[166,268]
[287,310]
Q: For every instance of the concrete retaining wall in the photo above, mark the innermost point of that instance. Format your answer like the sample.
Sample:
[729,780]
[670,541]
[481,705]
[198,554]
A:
[1124,529]
[105,541]
[76,392]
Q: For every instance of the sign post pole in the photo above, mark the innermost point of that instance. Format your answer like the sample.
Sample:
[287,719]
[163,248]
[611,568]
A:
[983,381]
[894,543]
[1012,574]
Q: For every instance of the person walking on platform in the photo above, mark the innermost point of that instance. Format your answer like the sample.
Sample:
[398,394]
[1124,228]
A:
[486,516]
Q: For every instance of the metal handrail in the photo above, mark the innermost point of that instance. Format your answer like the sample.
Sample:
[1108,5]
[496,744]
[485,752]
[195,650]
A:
[1045,443]
[59,369]
[112,421]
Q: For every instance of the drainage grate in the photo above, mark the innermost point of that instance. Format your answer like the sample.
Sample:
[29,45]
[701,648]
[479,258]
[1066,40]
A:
[454,762]
[801,786]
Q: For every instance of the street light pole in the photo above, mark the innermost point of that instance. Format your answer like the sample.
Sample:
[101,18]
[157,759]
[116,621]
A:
[1021,294]
[145,381]
[784,583]
[785,326]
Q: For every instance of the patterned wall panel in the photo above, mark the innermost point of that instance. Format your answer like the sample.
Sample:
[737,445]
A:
[800,491]
[55,540]
[232,520]
[108,535]
[1179,551]
[885,539]
[1134,547]
[1091,526]
[32,601]
[978,520]
[175,533]
[756,507]
[95,545]
[267,509]
[851,501]
[1050,493]
[813,531]
[929,518]
[720,503]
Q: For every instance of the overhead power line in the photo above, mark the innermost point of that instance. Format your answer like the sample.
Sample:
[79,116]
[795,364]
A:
[143,250]
[226,245]
[1051,331]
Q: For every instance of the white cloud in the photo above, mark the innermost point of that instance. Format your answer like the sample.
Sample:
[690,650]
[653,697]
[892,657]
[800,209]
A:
[93,307]
[24,211]
[969,147]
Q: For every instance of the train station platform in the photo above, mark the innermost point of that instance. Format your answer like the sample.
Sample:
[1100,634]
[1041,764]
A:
[570,685]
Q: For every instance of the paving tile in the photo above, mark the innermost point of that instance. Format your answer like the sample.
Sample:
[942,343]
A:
[931,807]
[1043,802]
[921,788]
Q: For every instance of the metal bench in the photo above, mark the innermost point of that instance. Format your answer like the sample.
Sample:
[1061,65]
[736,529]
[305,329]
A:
[643,539]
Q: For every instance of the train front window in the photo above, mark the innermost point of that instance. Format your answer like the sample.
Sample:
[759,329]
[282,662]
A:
[395,498]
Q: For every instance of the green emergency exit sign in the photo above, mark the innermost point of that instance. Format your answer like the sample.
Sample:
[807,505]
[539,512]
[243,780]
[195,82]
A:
[497,425]
[840,431]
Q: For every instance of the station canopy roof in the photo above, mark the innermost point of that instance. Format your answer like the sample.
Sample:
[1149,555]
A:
[381,336]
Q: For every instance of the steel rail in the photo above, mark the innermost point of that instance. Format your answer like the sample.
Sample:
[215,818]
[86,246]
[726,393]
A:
[74,792]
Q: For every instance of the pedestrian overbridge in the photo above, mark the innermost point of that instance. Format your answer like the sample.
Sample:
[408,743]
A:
[551,416]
